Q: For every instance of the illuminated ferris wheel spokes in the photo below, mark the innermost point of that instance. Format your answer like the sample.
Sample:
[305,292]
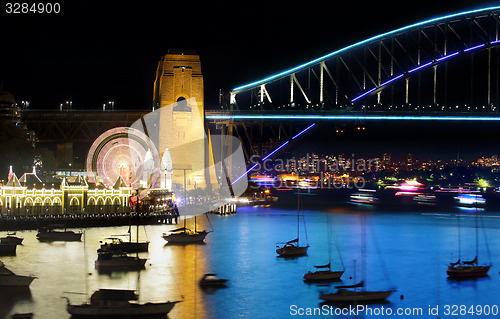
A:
[127,153]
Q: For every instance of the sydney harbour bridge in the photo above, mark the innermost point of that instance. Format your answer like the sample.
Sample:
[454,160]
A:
[442,69]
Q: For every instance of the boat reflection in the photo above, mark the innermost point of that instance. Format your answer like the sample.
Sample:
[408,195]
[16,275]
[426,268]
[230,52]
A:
[10,296]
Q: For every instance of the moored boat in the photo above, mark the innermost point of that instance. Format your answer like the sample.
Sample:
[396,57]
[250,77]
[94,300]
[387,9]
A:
[292,249]
[117,303]
[323,274]
[472,268]
[185,236]
[117,244]
[349,296]
[117,259]
[212,280]
[9,279]
[467,269]
[49,234]
[11,239]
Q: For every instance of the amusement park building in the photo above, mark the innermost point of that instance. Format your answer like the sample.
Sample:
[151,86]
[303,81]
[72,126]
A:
[28,195]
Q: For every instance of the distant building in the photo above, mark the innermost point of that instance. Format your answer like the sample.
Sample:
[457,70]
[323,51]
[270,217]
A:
[8,107]
[10,111]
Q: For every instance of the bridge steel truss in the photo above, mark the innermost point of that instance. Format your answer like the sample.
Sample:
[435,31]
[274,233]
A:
[438,64]
[76,126]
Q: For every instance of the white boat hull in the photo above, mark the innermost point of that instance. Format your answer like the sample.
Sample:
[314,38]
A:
[147,309]
[356,296]
[15,281]
[184,238]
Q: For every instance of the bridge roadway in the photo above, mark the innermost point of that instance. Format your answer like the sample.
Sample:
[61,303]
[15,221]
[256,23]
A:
[339,115]
[76,126]
[74,131]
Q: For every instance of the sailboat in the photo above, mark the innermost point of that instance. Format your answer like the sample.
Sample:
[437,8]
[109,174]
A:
[108,259]
[292,248]
[467,269]
[185,235]
[351,293]
[324,273]
[348,296]
[117,244]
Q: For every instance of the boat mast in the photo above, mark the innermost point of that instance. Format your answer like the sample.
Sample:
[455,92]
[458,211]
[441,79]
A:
[459,241]
[363,249]
[298,214]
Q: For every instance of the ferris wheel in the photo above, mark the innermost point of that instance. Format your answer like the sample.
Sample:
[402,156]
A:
[125,152]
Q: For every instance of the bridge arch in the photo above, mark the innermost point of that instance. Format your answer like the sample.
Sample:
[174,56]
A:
[408,60]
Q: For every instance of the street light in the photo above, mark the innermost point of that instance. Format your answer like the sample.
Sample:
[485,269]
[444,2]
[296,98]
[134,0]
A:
[109,104]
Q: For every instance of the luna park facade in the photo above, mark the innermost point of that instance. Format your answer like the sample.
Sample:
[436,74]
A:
[29,196]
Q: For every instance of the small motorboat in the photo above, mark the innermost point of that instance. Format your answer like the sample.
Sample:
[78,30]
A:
[9,279]
[49,234]
[11,239]
[117,303]
[212,280]
[364,196]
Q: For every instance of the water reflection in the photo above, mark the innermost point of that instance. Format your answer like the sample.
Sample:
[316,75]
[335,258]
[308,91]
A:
[10,296]
[415,248]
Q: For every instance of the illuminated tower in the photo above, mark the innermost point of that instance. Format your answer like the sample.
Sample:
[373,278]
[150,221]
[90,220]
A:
[178,93]
[178,77]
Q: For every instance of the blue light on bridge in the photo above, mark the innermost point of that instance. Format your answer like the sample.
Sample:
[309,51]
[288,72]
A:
[352,117]
[303,131]
[420,67]
[297,68]
[274,152]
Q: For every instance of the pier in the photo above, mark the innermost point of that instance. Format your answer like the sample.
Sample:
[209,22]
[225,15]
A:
[9,223]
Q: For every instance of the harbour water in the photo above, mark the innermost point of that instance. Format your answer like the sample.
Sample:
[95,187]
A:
[408,250]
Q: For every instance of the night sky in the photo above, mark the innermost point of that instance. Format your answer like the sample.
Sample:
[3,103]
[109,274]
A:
[95,51]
